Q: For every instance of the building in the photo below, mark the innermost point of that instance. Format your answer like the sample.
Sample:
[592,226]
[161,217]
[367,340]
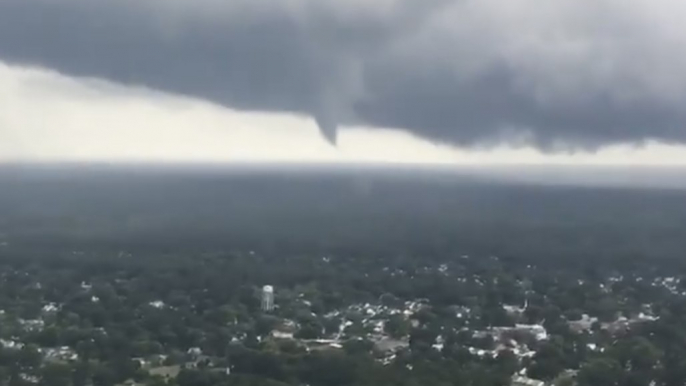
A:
[267,298]
[276,334]
[516,311]
[194,351]
[537,330]
[519,380]
[583,324]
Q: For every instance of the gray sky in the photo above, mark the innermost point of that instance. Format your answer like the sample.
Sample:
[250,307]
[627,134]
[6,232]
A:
[407,79]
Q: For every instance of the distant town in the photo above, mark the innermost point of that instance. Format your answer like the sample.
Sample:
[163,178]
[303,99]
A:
[221,318]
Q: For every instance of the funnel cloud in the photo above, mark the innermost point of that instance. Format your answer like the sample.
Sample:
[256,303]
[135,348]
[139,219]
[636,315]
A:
[328,128]
[556,75]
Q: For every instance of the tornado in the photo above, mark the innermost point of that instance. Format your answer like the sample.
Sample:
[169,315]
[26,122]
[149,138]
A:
[327,127]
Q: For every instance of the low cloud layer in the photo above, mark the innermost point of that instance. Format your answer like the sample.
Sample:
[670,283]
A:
[48,117]
[566,73]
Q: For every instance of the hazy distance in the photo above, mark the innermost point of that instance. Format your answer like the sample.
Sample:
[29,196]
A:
[515,211]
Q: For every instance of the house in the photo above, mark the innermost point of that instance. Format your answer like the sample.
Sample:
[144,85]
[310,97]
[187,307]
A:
[157,304]
[131,382]
[64,353]
[51,307]
[516,311]
[29,378]
[390,345]
[286,330]
[11,344]
[644,317]
[194,351]
[166,372]
[583,324]
[619,325]
[276,334]
[519,380]
[32,325]
[537,330]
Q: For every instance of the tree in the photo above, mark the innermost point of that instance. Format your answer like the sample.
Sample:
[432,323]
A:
[422,339]
[56,374]
[639,354]
[4,375]
[264,324]
[506,362]
[310,330]
[356,347]
[327,369]
[105,376]
[30,356]
[156,381]
[397,326]
[82,373]
[548,362]
[601,371]
[48,337]
[564,380]
[331,325]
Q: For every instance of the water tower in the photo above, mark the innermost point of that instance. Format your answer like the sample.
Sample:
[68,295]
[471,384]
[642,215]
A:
[267,298]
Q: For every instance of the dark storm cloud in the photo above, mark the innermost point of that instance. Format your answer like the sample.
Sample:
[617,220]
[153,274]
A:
[565,73]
